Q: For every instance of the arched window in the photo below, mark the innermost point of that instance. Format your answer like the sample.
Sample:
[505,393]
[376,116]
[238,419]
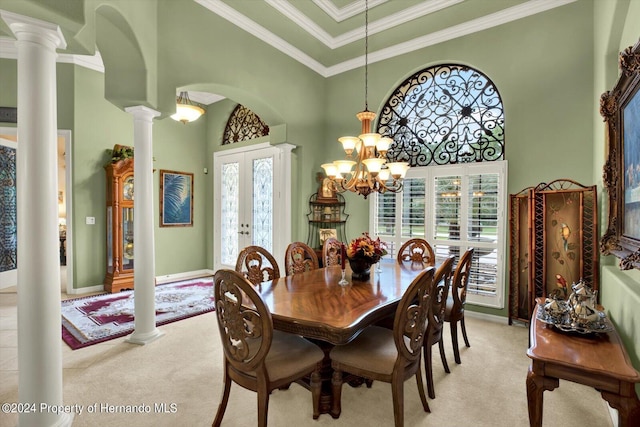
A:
[243,124]
[446,114]
[447,121]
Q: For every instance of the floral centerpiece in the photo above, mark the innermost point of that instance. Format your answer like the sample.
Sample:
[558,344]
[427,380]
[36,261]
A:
[362,252]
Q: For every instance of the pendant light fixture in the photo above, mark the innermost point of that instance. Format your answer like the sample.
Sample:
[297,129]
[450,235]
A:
[186,110]
[369,171]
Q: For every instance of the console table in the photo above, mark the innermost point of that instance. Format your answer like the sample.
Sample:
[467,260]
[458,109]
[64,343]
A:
[598,361]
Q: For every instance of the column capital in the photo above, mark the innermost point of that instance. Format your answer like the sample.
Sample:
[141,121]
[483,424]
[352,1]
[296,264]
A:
[140,112]
[26,28]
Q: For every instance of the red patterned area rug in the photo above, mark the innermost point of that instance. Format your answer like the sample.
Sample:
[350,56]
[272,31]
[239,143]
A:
[90,320]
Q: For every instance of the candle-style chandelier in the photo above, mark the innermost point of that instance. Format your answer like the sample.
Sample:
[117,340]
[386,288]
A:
[369,172]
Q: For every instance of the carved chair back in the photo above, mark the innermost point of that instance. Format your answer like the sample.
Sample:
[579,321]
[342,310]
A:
[299,257]
[417,251]
[246,333]
[460,283]
[257,265]
[412,317]
[331,252]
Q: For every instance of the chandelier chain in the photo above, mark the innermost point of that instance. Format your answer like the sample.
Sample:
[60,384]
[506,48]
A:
[366,55]
[369,172]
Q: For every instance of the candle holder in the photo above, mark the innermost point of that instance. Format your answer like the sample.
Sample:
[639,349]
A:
[343,281]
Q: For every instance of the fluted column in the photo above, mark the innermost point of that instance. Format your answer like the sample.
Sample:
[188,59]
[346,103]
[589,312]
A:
[39,342]
[144,279]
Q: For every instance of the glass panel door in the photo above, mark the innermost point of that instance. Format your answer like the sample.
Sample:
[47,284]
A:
[244,198]
[262,202]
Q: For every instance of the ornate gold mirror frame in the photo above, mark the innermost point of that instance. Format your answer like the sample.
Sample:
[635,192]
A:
[620,108]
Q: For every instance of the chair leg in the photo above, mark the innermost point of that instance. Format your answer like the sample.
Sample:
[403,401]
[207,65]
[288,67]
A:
[428,370]
[454,342]
[397,392]
[315,385]
[443,357]
[423,398]
[464,332]
[336,388]
[223,402]
[263,404]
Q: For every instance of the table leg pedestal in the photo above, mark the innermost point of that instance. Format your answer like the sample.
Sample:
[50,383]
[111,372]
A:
[536,386]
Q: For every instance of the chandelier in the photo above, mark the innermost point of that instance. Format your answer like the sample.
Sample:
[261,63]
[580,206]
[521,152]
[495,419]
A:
[186,110]
[369,171]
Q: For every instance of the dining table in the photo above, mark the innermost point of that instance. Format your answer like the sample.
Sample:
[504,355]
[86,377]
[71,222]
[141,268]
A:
[314,305]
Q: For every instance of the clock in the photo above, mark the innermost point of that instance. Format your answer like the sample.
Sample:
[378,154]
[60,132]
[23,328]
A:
[120,239]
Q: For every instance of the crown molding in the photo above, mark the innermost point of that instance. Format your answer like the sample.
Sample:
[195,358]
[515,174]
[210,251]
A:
[288,10]
[352,9]
[230,14]
[91,62]
[8,50]
[513,13]
[531,7]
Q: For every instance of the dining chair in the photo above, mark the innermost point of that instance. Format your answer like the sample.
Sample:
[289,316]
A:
[257,265]
[299,257]
[256,356]
[391,356]
[417,251]
[441,283]
[454,311]
[331,252]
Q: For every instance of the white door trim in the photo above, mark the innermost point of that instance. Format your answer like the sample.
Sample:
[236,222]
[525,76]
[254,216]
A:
[10,279]
[282,197]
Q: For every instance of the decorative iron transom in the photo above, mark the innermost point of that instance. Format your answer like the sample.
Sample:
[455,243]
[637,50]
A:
[243,124]
[445,114]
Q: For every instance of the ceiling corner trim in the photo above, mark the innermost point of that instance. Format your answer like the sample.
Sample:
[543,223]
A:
[352,9]
[221,9]
[93,62]
[301,20]
[514,13]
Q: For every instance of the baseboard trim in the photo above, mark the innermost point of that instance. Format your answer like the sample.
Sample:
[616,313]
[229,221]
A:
[485,316]
[168,278]
[86,290]
[183,276]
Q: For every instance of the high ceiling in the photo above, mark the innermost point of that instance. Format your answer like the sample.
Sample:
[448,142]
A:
[328,36]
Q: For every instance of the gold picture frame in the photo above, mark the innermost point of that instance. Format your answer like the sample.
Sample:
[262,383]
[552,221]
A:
[620,108]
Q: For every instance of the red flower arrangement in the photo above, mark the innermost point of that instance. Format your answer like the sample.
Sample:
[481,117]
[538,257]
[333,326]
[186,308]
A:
[364,247]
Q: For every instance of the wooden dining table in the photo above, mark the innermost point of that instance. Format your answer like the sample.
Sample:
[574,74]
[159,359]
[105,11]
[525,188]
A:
[314,305]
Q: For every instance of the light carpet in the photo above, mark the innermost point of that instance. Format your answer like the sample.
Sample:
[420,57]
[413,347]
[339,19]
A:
[183,370]
[90,320]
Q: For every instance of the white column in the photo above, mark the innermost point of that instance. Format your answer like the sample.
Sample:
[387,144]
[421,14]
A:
[144,273]
[39,341]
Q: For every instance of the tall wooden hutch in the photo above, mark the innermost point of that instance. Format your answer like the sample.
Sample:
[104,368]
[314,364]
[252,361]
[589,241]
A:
[120,261]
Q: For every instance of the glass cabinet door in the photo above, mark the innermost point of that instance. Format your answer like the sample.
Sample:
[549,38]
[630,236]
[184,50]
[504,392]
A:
[109,240]
[127,188]
[127,239]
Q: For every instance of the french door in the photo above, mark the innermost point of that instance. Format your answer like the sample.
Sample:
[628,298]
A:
[8,227]
[252,200]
